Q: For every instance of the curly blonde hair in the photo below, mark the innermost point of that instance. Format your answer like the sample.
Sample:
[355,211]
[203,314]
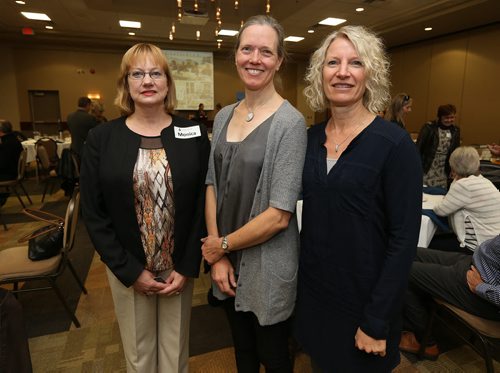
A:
[123,99]
[371,51]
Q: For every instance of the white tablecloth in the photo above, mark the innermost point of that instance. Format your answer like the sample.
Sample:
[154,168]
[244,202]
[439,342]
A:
[29,145]
[427,227]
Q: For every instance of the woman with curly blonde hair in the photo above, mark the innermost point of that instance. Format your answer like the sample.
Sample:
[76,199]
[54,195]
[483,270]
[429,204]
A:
[362,192]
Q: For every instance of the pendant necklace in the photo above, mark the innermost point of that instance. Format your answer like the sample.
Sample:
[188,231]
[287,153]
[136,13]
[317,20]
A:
[337,145]
[250,114]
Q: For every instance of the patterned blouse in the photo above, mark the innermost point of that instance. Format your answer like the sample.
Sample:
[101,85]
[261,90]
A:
[154,203]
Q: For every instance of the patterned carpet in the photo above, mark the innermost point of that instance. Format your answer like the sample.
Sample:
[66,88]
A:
[96,346]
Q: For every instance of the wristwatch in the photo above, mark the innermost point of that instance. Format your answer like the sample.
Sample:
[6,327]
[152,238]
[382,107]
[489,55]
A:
[225,245]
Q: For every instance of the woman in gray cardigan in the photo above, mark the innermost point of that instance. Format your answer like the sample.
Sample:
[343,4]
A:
[253,182]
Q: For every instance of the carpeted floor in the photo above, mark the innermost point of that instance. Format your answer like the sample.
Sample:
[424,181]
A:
[96,346]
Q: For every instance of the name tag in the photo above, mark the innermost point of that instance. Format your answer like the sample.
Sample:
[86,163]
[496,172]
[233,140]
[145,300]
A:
[187,132]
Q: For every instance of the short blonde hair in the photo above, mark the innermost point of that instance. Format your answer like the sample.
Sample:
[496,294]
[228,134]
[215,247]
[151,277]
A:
[123,99]
[464,161]
[371,51]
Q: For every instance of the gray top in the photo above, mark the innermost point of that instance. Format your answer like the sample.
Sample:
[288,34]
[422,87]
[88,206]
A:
[267,283]
[237,170]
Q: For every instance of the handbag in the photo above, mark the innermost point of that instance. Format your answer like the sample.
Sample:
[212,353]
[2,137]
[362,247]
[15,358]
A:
[47,241]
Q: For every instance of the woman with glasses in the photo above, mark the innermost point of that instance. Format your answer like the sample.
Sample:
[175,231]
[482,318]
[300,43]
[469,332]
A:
[399,107]
[142,185]
[436,141]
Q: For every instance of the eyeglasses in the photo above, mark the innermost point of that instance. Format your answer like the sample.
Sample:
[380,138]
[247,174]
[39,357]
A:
[139,75]
[406,99]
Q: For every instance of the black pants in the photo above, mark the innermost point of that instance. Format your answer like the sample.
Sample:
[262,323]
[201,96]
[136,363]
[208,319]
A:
[255,344]
[441,274]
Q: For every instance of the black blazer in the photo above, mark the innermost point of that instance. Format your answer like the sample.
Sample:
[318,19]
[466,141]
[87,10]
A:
[80,123]
[106,184]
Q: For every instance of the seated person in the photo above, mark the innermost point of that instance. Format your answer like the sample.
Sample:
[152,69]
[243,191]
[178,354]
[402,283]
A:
[10,149]
[472,204]
[494,149]
[469,282]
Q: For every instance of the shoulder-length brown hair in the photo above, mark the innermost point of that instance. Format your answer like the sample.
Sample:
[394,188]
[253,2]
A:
[123,99]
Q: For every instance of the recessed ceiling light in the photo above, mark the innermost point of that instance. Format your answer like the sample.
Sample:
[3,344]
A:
[330,21]
[131,33]
[310,31]
[130,24]
[225,32]
[294,39]
[360,9]
[428,28]
[219,40]
[20,2]
[49,27]
[36,16]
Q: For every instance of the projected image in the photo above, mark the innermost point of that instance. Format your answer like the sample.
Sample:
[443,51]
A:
[193,73]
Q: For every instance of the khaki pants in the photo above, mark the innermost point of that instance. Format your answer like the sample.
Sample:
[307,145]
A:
[154,329]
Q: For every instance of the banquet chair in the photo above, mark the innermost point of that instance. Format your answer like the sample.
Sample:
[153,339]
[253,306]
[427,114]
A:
[16,267]
[484,332]
[11,185]
[491,171]
[47,162]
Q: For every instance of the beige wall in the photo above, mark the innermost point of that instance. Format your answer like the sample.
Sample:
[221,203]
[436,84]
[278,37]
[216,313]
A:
[461,69]
[69,73]
[9,103]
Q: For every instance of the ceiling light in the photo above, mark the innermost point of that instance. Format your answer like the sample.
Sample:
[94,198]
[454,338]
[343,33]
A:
[310,31]
[219,40]
[20,2]
[131,33]
[49,27]
[294,39]
[225,32]
[332,21]
[36,16]
[360,9]
[428,28]
[130,24]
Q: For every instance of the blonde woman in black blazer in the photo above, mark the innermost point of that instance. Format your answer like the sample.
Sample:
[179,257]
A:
[142,185]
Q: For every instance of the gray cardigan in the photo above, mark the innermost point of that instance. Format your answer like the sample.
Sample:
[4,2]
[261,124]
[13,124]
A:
[267,279]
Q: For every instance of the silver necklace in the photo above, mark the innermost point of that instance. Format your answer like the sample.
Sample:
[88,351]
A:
[337,145]
[250,114]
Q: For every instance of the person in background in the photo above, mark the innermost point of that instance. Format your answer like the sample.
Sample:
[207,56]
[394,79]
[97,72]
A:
[253,183]
[97,110]
[399,107]
[10,150]
[469,282]
[472,205]
[143,195]
[80,123]
[494,149]
[436,141]
[200,113]
[362,202]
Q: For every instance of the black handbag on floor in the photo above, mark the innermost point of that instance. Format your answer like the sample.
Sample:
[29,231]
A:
[47,241]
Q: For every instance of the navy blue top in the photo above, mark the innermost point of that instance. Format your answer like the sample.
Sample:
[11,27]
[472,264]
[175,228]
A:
[360,230]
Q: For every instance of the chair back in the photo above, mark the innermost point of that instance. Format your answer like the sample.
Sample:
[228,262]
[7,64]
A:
[71,221]
[50,146]
[491,171]
[21,165]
